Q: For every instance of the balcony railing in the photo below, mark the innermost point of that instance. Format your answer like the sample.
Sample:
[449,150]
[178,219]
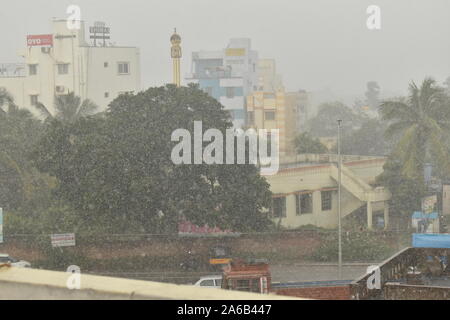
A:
[11,70]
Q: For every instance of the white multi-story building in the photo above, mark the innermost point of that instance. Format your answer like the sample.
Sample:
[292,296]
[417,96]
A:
[63,62]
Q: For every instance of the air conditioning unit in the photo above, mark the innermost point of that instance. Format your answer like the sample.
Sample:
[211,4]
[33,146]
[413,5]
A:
[46,49]
[60,89]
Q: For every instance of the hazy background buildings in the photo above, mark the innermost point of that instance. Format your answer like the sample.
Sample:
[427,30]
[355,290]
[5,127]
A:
[318,45]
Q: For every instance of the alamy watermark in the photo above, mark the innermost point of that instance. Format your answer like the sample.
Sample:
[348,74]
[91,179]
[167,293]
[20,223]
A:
[74,280]
[374,19]
[252,147]
[374,280]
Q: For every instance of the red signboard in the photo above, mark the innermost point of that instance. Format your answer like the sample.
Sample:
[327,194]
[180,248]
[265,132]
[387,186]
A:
[40,40]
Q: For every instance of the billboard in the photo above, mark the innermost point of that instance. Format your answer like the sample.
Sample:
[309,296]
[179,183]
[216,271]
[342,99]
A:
[39,40]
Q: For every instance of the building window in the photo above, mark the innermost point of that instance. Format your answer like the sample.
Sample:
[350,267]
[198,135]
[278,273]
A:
[269,115]
[105,64]
[251,117]
[124,67]
[63,68]
[32,69]
[326,200]
[279,207]
[33,99]
[106,94]
[230,92]
[303,203]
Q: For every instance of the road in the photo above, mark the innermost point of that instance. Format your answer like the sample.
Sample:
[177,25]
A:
[294,272]
[316,272]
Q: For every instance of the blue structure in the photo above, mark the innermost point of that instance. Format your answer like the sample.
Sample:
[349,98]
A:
[431,240]
[421,215]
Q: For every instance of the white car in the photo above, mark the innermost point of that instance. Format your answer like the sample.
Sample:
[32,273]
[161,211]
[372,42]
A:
[6,259]
[210,282]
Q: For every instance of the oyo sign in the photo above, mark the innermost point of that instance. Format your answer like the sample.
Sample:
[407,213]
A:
[40,40]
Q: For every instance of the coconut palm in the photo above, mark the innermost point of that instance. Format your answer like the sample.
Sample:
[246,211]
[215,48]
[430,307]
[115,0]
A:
[421,125]
[69,108]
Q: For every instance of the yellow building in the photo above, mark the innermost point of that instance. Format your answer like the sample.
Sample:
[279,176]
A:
[268,79]
[305,191]
[268,110]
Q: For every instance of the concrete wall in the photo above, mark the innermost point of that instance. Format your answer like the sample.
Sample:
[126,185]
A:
[19,283]
[318,293]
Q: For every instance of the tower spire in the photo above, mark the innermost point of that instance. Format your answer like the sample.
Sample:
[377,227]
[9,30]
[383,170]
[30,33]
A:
[175,52]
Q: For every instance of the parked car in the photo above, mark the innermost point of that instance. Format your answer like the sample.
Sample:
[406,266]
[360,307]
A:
[214,281]
[7,259]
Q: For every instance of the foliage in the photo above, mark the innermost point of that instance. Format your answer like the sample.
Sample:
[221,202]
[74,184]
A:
[325,123]
[368,140]
[117,171]
[69,108]
[19,131]
[304,143]
[421,123]
[356,246]
[406,192]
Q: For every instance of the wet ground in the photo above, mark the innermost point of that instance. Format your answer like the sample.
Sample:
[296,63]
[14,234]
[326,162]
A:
[294,272]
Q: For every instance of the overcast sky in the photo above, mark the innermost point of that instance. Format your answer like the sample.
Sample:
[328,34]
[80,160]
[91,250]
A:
[316,43]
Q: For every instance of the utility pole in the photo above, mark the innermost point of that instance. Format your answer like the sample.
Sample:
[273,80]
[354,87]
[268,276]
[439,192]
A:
[339,201]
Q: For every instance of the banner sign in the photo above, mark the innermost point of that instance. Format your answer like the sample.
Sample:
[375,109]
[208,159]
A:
[1,225]
[40,40]
[63,240]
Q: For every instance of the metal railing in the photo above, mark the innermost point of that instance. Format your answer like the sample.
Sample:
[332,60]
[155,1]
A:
[12,70]
[395,269]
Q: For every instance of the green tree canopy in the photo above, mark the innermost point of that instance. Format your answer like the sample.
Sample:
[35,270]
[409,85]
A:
[421,124]
[325,123]
[117,169]
[69,108]
[368,140]
[305,143]
[19,132]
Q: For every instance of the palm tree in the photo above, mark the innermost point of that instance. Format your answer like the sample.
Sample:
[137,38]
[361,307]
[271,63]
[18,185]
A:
[69,108]
[421,123]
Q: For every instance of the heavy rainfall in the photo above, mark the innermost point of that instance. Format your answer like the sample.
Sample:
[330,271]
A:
[280,148]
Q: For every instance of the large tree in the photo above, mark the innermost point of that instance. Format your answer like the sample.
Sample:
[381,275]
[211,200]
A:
[19,131]
[324,124]
[419,127]
[117,169]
